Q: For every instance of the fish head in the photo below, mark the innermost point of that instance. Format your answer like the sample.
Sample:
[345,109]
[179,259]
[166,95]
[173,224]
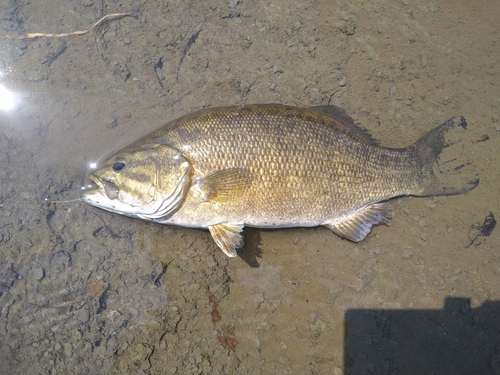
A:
[149,182]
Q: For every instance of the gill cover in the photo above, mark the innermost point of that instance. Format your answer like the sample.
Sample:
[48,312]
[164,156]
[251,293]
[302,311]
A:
[150,182]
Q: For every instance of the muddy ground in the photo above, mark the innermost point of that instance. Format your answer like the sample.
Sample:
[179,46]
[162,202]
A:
[84,291]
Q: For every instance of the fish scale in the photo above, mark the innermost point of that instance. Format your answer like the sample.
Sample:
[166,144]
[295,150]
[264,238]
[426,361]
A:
[273,166]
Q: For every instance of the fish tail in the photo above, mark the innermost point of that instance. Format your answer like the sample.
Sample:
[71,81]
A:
[445,167]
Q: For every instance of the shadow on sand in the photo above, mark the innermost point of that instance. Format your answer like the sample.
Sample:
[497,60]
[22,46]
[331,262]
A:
[455,340]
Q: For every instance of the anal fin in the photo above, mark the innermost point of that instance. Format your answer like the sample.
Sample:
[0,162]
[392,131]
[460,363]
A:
[227,236]
[356,226]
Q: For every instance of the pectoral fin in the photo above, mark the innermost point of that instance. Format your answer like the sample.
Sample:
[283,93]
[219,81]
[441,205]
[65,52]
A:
[227,236]
[356,226]
[224,185]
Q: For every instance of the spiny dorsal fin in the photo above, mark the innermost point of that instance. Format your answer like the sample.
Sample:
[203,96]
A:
[227,236]
[225,185]
[356,226]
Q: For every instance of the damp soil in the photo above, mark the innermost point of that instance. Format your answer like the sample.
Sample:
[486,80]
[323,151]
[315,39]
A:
[84,291]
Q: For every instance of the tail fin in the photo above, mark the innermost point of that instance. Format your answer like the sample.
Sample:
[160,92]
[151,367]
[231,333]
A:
[447,170]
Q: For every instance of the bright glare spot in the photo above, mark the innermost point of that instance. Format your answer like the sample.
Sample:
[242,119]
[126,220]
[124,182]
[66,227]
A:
[7,99]
[92,165]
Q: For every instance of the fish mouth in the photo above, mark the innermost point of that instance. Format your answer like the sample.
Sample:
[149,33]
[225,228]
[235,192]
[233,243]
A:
[100,186]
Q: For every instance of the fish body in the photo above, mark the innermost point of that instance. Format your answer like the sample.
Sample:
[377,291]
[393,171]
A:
[274,166]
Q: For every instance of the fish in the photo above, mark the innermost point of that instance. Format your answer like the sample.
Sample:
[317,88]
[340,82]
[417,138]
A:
[275,166]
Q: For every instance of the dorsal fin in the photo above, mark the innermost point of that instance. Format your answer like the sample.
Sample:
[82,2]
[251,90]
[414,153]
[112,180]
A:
[346,124]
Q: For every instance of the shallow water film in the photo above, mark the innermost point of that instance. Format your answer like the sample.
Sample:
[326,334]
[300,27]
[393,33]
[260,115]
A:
[85,291]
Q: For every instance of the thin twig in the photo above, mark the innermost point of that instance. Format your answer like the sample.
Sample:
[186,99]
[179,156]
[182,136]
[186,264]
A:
[108,17]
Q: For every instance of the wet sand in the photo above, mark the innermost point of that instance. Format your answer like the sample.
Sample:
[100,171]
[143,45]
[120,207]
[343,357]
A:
[86,291]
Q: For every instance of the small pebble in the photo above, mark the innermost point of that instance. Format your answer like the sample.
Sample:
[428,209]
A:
[314,317]
[476,319]
[68,350]
[407,254]
[423,60]
[393,90]
[343,82]
[39,273]
[430,204]
[76,335]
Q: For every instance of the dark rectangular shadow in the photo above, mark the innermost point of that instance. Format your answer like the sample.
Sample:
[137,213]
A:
[455,340]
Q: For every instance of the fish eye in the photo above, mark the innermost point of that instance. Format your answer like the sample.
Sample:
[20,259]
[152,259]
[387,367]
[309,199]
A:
[118,165]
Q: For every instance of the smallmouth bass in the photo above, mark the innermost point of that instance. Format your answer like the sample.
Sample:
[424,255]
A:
[275,166]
